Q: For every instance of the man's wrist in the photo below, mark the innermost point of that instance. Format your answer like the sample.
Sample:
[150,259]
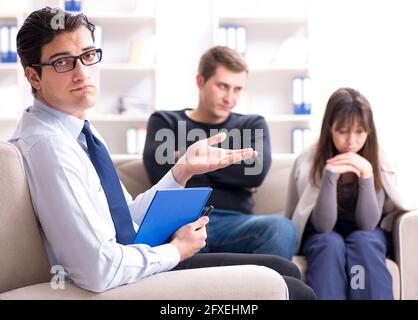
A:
[180,174]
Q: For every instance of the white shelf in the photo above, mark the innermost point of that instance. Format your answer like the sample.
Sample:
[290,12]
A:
[149,27]
[277,68]
[274,33]
[126,67]
[125,156]
[289,118]
[255,19]
[9,118]
[9,66]
[127,36]
[118,118]
[115,16]
[9,15]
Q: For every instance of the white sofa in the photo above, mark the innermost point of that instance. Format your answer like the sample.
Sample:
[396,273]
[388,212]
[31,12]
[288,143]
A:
[25,271]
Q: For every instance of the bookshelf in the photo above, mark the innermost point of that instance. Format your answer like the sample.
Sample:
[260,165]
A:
[277,51]
[10,79]
[127,35]
[132,30]
[127,70]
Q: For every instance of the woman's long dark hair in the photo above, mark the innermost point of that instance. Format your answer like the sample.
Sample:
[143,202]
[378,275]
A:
[346,107]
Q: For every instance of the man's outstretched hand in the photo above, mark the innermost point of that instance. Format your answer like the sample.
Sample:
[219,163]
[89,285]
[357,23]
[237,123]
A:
[201,157]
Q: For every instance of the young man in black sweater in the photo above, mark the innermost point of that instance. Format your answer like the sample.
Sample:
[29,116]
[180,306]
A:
[233,227]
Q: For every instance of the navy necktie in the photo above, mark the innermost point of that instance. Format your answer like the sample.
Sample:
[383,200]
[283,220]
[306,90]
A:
[109,180]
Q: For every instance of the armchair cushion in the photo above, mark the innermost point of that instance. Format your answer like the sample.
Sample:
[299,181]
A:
[405,247]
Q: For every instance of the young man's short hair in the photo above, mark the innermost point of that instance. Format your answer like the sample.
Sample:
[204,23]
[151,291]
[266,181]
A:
[220,55]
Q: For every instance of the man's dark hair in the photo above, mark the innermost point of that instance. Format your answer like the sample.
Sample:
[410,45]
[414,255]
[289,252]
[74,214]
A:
[220,55]
[40,28]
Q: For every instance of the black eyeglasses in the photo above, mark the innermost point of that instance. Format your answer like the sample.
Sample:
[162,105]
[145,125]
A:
[65,64]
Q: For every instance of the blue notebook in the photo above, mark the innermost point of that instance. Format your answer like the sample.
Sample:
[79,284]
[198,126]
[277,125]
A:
[169,210]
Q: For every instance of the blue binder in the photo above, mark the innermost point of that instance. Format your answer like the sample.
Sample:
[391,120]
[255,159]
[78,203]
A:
[301,93]
[169,210]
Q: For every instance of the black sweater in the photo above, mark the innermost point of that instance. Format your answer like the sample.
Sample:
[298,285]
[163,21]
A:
[229,184]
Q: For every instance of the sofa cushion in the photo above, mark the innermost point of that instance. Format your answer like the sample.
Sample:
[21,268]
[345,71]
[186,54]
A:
[270,197]
[132,173]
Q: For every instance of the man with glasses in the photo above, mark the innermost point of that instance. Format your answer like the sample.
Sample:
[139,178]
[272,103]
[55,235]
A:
[87,218]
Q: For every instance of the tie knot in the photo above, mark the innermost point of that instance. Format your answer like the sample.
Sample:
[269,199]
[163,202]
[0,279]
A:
[86,128]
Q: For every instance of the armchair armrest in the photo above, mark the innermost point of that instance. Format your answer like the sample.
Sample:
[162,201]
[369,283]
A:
[246,282]
[405,235]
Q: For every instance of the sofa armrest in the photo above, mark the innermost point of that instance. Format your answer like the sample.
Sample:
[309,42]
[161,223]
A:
[405,241]
[246,282]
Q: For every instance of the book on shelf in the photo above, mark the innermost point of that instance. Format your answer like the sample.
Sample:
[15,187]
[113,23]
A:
[135,106]
[98,36]
[234,37]
[301,139]
[8,51]
[73,5]
[301,95]
[135,140]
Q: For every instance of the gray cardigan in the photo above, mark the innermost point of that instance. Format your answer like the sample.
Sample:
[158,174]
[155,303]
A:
[302,194]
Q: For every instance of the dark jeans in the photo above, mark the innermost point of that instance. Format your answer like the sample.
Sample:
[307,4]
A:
[236,232]
[297,289]
[348,263]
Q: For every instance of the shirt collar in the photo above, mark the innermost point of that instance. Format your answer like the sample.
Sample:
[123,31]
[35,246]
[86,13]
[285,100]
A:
[71,123]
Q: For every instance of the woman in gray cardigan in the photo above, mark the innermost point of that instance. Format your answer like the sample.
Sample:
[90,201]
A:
[342,199]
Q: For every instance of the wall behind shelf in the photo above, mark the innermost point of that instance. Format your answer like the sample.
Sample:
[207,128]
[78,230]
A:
[184,32]
[372,47]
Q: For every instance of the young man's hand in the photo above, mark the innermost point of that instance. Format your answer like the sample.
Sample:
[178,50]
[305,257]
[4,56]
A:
[201,157]
[190,238]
